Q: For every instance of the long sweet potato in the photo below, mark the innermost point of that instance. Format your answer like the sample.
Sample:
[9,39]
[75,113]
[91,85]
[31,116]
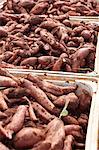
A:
[17,120]
[38,94]
[50,87]
[7,82]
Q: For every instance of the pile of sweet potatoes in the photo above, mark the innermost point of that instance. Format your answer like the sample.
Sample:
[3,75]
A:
[40,115]
[54,7]
[45,41]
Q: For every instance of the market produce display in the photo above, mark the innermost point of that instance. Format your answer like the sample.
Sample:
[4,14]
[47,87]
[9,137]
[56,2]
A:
[37,114]
[38,35]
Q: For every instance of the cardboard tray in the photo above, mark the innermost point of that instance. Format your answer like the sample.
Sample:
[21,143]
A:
[91,84]
[85,18]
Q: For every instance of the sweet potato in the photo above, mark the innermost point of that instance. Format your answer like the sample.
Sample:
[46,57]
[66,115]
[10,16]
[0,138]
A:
[51,96]
[70,120]
[3,147]
[50,23]
[73,101]
[3,133]
[27,137]
[81,54]
[55,134]
[83,120]
[3,104]
[17,120]
[42,146]
[47,37]
[31,110]
[15,92]
[39,8]
[70,128]
[58,64]
[50,87]
[7,82]
[46,60]
[3,32]
[38,94]
[29,61]
[42,113]
[85,99]
[86,34]
[68,143]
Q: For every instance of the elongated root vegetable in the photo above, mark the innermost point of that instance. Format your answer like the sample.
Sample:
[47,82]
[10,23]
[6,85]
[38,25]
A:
[42,113]
[7,82]
[38,94]
[68,142]
[52,88]
[17,121]
[27,137]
